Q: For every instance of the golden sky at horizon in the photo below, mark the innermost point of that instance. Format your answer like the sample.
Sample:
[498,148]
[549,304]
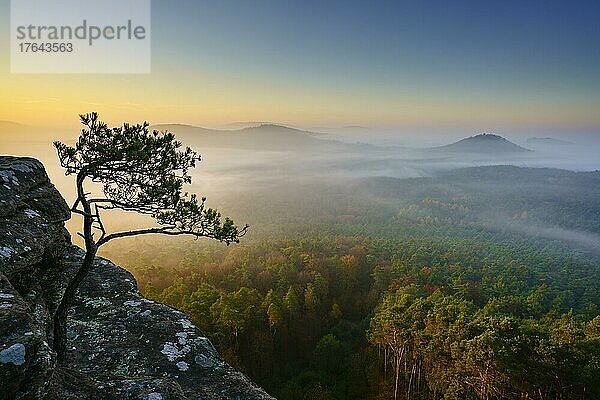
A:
[213,65]
[56,100]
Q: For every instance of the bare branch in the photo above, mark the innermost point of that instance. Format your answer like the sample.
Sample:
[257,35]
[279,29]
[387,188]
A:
[99,221]
[113,204]
[76,204]
[77,211]
[162,230]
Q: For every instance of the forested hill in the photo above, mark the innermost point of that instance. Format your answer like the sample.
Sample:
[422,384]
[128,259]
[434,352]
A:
[484,143]
[533,200]
[263,137]
[559,206]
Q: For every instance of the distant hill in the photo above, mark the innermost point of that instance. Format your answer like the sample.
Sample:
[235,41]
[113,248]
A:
[545,203]
[485,143]
[262,137]
[15,132]
[184,129]
[544,141]
[10,126]
[244,124]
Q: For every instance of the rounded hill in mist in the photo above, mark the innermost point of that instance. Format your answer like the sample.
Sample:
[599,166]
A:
[484,143]
[261,137]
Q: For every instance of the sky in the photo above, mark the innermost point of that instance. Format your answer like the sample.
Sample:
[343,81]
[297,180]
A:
[456,65]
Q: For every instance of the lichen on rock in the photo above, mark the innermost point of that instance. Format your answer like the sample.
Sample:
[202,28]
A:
[14,354]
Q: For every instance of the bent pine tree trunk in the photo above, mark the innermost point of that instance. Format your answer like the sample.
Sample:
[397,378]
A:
[59,343]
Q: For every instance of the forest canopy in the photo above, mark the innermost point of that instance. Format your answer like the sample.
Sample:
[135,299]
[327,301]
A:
[339,317]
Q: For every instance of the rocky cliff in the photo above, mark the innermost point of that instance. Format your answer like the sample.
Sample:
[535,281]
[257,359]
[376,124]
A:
[121,345]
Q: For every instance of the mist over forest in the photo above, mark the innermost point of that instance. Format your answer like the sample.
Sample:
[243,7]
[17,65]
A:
[276,178]
[346,233]
[279,179]
[267,174]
